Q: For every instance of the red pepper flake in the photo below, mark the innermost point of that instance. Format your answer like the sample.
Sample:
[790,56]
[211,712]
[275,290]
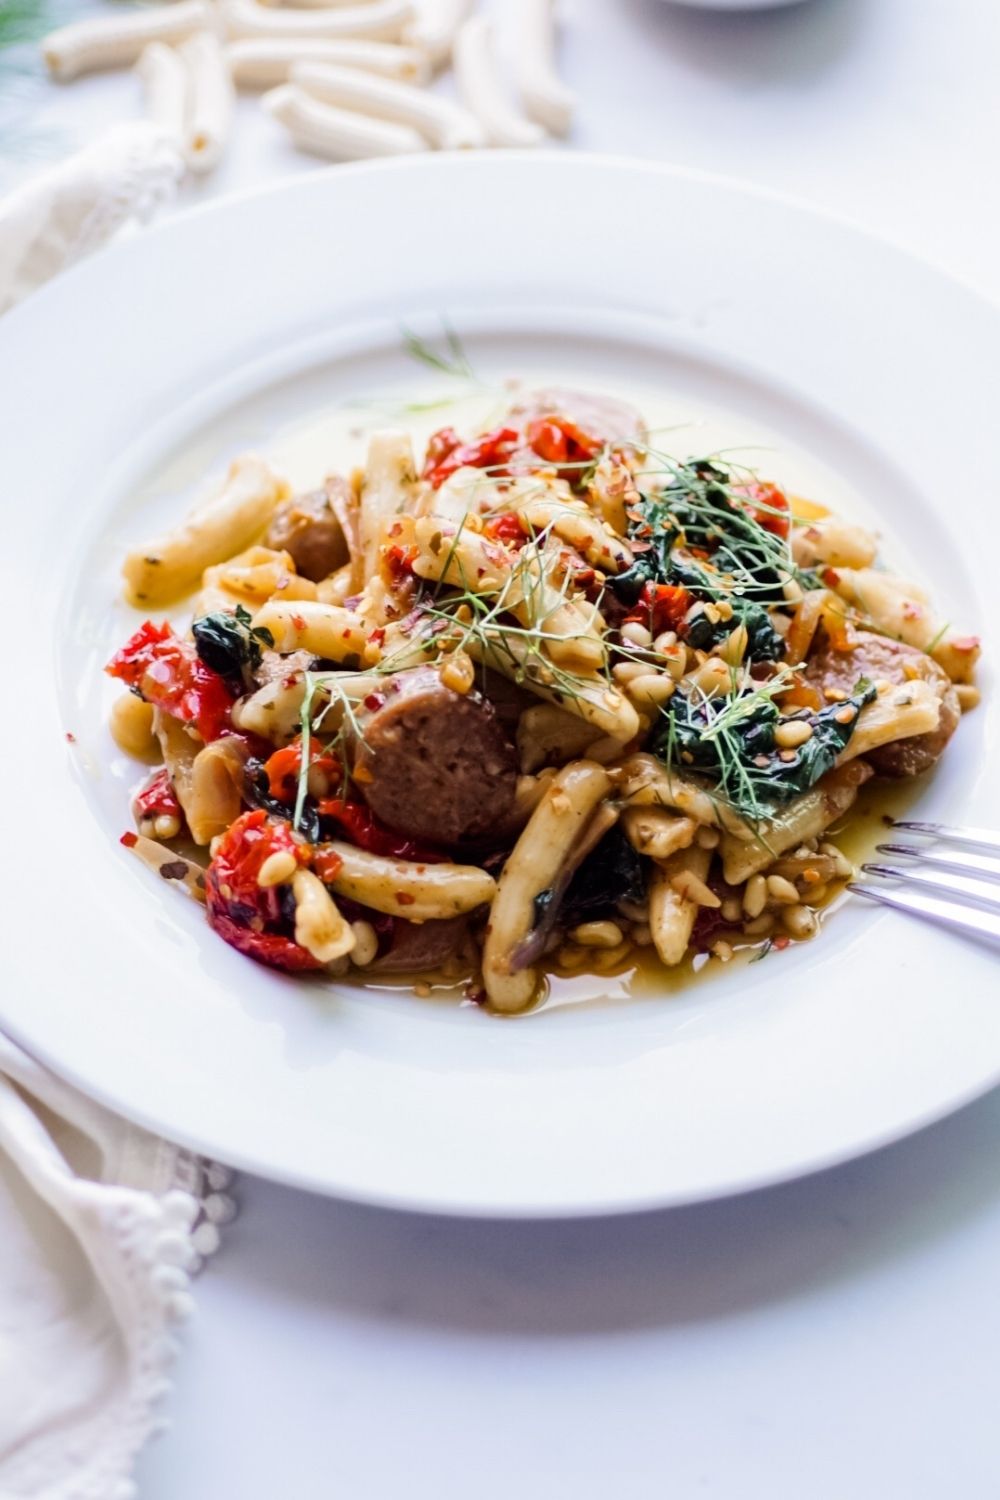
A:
[70,737]
[830,577]
[781,943]
[298,622]
[446,453]
[375,701]
[129,840]
[661,606]
[404,898]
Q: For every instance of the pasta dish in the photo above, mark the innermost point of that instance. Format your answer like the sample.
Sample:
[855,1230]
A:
[535,701]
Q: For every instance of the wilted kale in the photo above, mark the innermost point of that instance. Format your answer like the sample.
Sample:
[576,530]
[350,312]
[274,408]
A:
[229,644]
[699,533]
[763,641]
[734,745]
[612,872]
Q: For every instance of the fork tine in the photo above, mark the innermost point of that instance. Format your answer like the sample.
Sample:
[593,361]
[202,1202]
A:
[939,880]
[967,920]
[945,859]
[975,838]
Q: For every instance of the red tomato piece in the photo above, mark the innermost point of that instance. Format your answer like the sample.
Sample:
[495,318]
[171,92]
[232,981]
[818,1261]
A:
[168,672]
[507,526]
[283,767]
[157,797]
[559,441]
[661,606]
[246,915]
[359,826]
[769,506]
[446,454]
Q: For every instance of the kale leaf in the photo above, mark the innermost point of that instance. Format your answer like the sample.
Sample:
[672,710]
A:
[229,644]
[612,872]
[739,754]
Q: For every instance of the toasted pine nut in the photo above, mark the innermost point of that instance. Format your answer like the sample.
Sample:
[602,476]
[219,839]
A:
[761,926]
[799,922]
[636,634]
[597,935]
[277,868]
[651,690]
[968,696]
[755,895]
[365,943]
[627,671]
[792,733]
[781,890]
[707,838]
[458,672]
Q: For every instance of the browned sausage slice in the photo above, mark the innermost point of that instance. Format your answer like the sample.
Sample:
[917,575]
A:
[433,763]
[881,659]
[418,946]
[307,526]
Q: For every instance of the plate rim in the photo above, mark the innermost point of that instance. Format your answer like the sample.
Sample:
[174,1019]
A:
[615,1204]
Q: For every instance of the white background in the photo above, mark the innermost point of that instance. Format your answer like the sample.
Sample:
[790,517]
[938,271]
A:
[837,1337]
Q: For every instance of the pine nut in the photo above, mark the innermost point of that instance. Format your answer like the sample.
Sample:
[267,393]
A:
[781,890]
[792,733]
[365,943]
[755,895]
[707,838]
[597,935]
[761,926]
[458,672]
[627,671]
[636,634]
[651,689]
[799,922]
[665,641]
[722,951]
[968,696]
[277,868]
[166,826]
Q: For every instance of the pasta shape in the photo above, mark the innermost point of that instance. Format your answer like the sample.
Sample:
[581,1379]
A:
[379,20]
[442,122]
[262,62]
[540,853]
[117,41]
[229,520]
[546,98]
[418,892]
[211,100]
[164,84]
[480,89]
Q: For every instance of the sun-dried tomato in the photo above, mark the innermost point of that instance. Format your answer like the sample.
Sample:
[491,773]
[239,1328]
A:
[661,606]
[768,505]
[283,768]
[157,798]
[359,826]
[446,453]
[168,672]
[248,916]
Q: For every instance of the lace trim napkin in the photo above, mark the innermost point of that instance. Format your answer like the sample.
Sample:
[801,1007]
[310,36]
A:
[101,1224]
[118,181]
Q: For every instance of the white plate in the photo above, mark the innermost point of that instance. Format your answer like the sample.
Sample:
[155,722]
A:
[868,360]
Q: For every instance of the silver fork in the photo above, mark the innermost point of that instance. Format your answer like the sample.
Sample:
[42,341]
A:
[952,877]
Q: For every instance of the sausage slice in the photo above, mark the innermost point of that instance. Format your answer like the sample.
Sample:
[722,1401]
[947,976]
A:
[601,416]
[881,659]
[307,526]
[433,763]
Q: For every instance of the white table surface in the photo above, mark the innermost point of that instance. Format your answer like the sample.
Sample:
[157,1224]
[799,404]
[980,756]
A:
[833,1338]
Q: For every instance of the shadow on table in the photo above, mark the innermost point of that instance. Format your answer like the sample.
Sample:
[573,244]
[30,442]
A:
[650,1270]
[754,47]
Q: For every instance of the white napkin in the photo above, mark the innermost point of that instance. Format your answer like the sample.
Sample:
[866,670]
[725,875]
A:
[66,212]
[101,1224]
